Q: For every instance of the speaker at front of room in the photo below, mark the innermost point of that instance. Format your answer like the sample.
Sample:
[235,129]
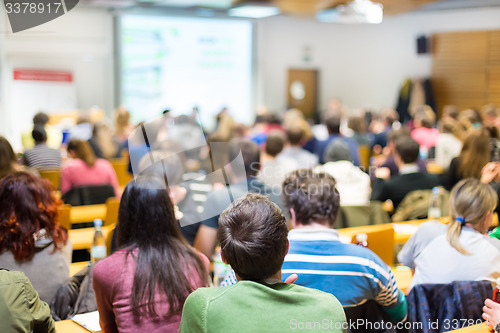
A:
[422,45]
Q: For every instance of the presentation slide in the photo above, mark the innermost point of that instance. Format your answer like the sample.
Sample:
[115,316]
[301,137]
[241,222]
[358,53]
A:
[178,63]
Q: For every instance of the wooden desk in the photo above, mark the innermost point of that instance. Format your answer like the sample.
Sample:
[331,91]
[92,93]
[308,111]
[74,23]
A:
[69,326]
[482,328]
[403,277]
[82,238]
[402,230]
[88,213]
[75,267]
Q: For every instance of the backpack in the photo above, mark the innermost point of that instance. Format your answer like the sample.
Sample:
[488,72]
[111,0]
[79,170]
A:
[415,205]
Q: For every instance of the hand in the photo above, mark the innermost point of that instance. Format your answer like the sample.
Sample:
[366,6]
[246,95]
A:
[177,194]
[491,313]
[383,173]
[291,279]
[490,172]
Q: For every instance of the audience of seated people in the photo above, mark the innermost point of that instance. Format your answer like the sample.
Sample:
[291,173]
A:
[144,284]
[459,251]
[31,239]
[41,157]
[253,238]
[84,169]
[400,170]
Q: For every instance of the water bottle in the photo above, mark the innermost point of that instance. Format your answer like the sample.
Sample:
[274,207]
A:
[362,239]
[98,249]
[434,206]
[220,268]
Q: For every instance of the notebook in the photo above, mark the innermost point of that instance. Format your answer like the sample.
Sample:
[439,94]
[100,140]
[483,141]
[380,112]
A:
[89,320]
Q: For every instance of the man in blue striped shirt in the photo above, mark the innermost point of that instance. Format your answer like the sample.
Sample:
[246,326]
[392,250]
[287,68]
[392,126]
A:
[352,273]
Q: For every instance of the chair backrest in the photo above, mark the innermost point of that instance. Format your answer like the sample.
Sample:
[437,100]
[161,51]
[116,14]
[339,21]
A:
[356,216]
[447,303]
[88,195]
[381,241]
[54,176]
[64,216]
[112,206]
[364,155]
[121,169]
[109,238]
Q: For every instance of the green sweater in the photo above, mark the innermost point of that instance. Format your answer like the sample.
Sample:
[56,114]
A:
[254,307]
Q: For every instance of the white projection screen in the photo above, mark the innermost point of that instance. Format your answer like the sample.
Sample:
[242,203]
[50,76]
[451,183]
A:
[178,63]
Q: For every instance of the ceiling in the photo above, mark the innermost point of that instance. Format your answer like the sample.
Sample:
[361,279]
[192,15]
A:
[296,7]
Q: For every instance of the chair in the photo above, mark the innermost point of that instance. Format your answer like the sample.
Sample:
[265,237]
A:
[435,168]
[381,241]
[54,176]
[112,206]
[109,238]
[64,216]
[88,195]
[364,155]
[356,216]
[121,169]
[446,304]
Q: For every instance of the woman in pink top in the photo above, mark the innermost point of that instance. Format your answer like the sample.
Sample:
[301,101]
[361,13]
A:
[143,286]
[85,169]
[424,133]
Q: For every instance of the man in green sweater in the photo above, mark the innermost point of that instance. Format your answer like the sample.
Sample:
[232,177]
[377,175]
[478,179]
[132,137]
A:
[253,238]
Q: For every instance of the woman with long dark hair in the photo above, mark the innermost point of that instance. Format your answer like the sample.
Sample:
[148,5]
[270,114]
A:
[144,284]
[31,239]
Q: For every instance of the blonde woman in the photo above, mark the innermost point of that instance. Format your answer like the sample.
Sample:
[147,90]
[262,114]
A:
[460,251]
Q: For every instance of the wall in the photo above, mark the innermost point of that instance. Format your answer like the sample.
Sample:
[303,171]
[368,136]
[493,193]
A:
[363,65]
[80,41]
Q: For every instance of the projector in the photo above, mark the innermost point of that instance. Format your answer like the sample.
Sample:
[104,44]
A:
[357,11]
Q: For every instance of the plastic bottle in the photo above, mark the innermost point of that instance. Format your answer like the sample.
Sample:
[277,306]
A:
[98,249]
[220,268]
[496,294]
[362,239]
[435,205]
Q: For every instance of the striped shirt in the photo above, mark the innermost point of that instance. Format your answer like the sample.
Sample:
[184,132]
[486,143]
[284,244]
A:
[42,157]
[352,273]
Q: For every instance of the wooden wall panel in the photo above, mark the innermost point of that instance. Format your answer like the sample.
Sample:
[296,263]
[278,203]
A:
[466,68]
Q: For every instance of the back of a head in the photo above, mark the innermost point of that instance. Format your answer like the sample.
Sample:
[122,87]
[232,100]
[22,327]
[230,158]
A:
[390,116]
[39,134]
[470,202]
[146,215]
[337,150]
[450,111]
[332,123]
[295,134]
[253,237]
[426,116]
[357,124]
[250,152]
[41,119]
[82,151]
[396,134]
[167,165]
[490,110]
[27,205]
[408,150]
[274,143]
[476,152]
[312,196]
[7,157]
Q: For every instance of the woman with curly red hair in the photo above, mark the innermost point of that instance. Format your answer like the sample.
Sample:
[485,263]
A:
[31,239]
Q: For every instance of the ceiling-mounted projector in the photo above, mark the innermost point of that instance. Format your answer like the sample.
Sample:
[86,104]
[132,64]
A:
[356,11]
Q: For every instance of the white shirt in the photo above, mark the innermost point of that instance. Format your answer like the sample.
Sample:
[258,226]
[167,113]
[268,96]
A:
[447,148]
[302,157]
[352,183]
[436,261]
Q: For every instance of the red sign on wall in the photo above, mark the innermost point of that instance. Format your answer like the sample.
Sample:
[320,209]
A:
[42,75]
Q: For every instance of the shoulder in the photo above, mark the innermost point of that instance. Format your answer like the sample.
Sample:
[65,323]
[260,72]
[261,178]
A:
[12,277]
[109,268]
[100,162]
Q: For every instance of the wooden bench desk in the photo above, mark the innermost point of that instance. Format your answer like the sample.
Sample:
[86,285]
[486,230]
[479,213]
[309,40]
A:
[69,326]
[480,328]
[88,213]
[82,238]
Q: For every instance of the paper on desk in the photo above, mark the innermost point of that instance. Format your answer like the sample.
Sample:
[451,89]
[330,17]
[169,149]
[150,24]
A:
[407,229]
[89,320]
